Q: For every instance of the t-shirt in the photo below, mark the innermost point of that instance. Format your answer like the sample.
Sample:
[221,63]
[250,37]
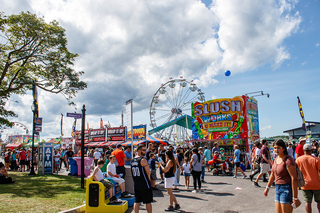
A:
[97,155]
[120,156]
[264,151]
[22,155]
[207,155]
[196,164]
[186,167]
[147,154]
[290,151]
[237,154]
[111,168]
[215,149]
[104,167]
[280,170]
[152,163]
[162,155]
[57,156]
[310,166]
[299,150]
[69,154]
[216,159]
[128,155]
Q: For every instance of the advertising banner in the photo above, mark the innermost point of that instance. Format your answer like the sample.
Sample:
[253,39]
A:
[97,135]
[224,118]
[40,160]
[253,119]
[38,125]
[48,158]
[66,142]
[78,136]
[139,133]
[116,134]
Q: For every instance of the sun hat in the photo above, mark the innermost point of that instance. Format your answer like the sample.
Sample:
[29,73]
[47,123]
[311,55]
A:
[307,147]
[302,139]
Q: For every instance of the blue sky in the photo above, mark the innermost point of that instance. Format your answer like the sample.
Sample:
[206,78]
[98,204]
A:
[271,45]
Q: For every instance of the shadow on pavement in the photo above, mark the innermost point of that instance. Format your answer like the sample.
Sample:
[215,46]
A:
[219,194]
[189,197]
[219,183]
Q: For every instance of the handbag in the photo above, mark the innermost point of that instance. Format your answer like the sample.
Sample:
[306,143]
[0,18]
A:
[300,178]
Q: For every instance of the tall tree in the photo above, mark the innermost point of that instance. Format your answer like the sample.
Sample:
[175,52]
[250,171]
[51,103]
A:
[34,52]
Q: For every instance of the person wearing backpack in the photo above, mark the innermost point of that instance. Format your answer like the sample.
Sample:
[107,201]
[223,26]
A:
[284,174]
[120,158]
[310,167]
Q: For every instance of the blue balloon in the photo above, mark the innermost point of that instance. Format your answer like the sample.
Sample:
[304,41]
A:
[227,73]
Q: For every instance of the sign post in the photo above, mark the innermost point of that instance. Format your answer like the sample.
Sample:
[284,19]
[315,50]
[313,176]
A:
[82,144]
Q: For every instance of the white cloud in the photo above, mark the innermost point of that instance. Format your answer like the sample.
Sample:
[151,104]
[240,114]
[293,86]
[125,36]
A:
[266,127]
[317,45]
[304,63]
[128,48]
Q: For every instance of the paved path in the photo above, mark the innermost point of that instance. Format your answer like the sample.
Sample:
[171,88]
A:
[222,194]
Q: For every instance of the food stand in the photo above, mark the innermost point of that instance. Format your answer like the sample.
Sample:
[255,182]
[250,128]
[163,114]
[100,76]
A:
[226,121]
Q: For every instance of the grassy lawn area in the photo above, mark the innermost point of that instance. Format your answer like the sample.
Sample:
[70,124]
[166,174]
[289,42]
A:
[41,193]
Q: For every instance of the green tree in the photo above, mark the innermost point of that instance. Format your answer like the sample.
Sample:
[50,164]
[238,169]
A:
[34,52]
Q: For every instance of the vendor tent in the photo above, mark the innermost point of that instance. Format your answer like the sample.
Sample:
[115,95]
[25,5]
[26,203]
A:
[149,139]
[13,145]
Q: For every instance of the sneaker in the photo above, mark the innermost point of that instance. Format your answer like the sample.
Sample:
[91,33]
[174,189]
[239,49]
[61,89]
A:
[127,193]
[169,209]
[176,207]
[265,180]
[245,176]
[256,184]
[154,188]
[251,177]
[178,184]
[202,181]
[234,177]
[162,182]
[194,191]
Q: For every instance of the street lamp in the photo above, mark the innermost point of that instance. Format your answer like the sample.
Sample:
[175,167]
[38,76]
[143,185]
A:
[33,108]
[258,93]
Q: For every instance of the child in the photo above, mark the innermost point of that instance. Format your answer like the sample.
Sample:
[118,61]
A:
[152,164]
[56,161]
[111,171]
[186,169]
[98,176]
[104,167]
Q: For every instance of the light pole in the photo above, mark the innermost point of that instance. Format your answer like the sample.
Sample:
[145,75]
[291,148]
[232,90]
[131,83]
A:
[33,108]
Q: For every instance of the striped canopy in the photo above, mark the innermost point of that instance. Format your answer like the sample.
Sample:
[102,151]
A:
[149,139]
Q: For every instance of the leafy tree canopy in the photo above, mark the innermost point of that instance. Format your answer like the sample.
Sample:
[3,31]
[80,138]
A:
[34,52]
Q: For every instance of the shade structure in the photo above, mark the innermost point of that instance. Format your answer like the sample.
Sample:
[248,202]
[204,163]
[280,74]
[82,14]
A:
[102,144]
[114,143]
[92,144]
[149,139]
[13,145]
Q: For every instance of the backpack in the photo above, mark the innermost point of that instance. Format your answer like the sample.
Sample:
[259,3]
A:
[300,178]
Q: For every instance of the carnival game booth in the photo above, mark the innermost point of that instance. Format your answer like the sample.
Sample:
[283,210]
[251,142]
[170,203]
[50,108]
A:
[149,139]
[13,146]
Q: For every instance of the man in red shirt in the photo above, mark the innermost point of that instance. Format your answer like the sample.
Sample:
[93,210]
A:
[121,157]
[310,167]
[22,158]
[299,149]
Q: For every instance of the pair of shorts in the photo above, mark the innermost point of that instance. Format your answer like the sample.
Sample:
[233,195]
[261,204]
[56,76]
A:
[143,195]
[22,162]
[283,193]
[153,175]
[168,182]
[107,183]
[118,180]
[236,164]
[265,167]
[308,194]
[187,174]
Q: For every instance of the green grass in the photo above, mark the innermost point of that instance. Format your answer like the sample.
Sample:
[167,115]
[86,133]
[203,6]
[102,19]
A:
[41,193]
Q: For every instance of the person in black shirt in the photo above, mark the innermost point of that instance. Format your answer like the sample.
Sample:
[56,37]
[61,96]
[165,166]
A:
[141,178]
[150,147]
[69,154]
[162,155]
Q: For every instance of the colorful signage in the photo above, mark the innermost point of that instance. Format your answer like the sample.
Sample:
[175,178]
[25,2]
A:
[38,125]
[220,119]
[47,158]
[97,135]
[40,160]
[78,137]
[253,119]
[139,133]
[116,134]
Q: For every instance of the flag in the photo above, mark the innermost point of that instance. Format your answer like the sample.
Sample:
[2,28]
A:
[73,132]
[87,126]
[61,124]
[101,123]
[301,114]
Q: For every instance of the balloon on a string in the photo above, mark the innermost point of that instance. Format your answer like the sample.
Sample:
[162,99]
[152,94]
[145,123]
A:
[227,73]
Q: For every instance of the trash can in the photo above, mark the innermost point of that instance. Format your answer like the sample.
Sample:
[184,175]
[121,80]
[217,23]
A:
[87,165]
[73,166]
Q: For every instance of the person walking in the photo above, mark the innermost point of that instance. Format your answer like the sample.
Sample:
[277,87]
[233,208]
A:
[290,150]
[141,178]
[127,152]
[203,169]
[299,149]
[257,160]
[169,170]
[236,162]
[161,157]
[264,162]
[207,156]
[97,156]
[196,165]
[120,158]
[285,175]
[310,167]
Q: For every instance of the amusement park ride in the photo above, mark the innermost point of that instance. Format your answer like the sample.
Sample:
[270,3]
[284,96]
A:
[170,110]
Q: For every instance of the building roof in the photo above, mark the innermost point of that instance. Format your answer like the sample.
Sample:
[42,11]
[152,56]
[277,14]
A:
[300,128]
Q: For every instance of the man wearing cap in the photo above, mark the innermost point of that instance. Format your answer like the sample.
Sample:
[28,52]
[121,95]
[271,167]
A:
[310,167]
[121,158]
[299,149]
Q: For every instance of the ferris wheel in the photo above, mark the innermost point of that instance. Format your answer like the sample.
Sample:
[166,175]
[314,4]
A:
[170,102]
